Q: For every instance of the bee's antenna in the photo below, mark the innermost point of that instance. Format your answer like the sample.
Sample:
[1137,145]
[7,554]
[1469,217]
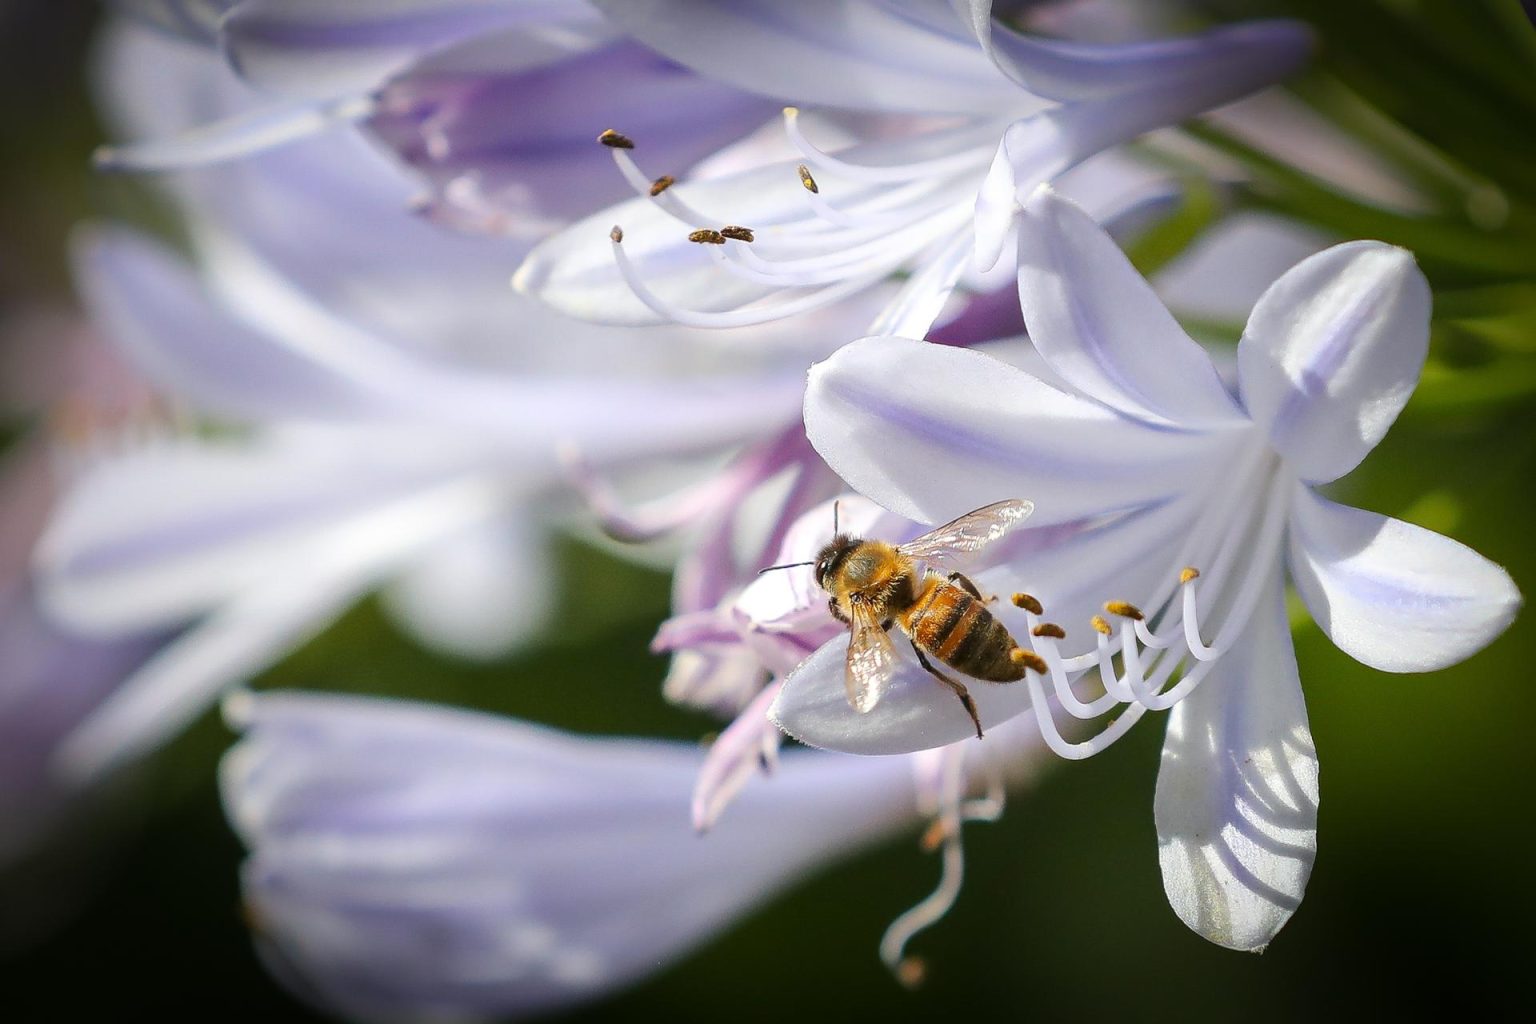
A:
[787,565]
[834,515]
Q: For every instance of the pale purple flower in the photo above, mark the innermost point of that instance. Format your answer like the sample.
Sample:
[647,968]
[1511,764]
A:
[1169,470]
[414,862]
[404,413]
[933,192]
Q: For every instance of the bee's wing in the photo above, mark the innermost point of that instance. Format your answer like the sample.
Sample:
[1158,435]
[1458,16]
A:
[971,532]
[871,659]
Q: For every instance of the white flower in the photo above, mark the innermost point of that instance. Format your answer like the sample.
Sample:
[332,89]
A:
[1166,470]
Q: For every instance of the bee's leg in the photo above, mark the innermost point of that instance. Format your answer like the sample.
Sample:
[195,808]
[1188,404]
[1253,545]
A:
[963,581]
[837,613]
[954,684]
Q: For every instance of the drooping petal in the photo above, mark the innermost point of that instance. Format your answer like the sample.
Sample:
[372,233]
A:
[1236,801]
[151,539]
[266,615]
[1332,352]
[870,56]
[418,862]
[1099,324]
[932,432]
[1062,69]
[150,304]
[325,47]
[1393,595]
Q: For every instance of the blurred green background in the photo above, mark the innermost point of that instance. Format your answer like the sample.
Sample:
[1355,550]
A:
[1422,893]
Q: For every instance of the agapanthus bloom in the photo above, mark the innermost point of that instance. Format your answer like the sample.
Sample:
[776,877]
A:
[416,862]
[933,193]
[1188,502]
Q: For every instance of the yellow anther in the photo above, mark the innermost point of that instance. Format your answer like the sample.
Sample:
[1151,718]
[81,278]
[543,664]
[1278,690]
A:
[806,179]
[1188,574]
[1029,659]
[911,972]
[1101,624]
[738,232]
[613,140]
[617,234]
[706,236]
[1124,609]
[661,184]
[1050,629]
[1028,603]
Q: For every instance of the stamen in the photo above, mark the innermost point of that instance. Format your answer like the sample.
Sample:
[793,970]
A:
[806,179]
[614,140]
[1112,683]
[661,184]
[1124,609]
[738,233]
[1089,747]
[1049,629]
[1062,685]
[911,972]
[736,317]
[616,235]
[1189,573]
[1028,603]
[963,158]
[706,236]
[1100,624]
[1029,659]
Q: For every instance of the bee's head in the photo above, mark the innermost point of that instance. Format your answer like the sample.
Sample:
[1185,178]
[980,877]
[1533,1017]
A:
[831,558]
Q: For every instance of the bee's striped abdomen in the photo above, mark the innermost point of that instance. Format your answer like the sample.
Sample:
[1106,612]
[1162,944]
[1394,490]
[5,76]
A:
[956,628]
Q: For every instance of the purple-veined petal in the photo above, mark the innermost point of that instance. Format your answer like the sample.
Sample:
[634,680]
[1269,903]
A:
[1393,595]
[1099,324]
[151,539]
[150,304]
[268,616]
[326,47]
[423,862]
[1236,801]
[479,593]
[1072,569]
[864,55]
[932,432]
[1062,69]
[1332,352]
[515,148]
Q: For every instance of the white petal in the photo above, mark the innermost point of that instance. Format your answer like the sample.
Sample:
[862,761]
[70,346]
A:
[861,55]
[916,713]
[323,47]
[1100,326]
[1393,595]
[263,620]
[151,305]
[1332,352]
[1236,802]
[420,862]
[479,593]
[1066,70]
[151,539]
[932,432]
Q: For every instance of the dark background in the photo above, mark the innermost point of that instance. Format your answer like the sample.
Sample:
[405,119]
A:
[1422,896]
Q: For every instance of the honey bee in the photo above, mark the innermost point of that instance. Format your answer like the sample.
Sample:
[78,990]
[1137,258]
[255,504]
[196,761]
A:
[873,585]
